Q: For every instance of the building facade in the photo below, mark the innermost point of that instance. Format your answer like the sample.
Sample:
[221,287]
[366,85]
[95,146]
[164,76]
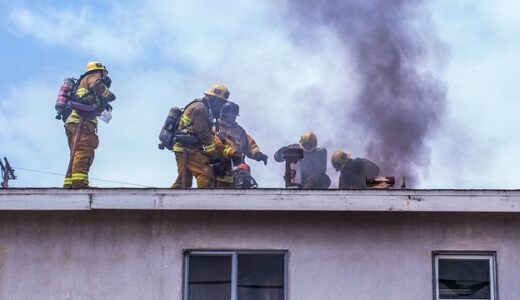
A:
[259,244]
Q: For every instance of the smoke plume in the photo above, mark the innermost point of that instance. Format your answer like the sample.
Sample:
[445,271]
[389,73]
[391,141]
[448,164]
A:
[399,102]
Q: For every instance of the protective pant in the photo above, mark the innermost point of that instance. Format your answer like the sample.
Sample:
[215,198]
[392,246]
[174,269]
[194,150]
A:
[88,141]
[224,183]
[198,166]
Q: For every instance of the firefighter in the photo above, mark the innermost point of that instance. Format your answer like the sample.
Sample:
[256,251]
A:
[240,144]
[353,171]
[92,97]
[313,163]
[199,159]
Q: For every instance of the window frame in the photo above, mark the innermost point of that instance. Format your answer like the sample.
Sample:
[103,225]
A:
[491,256]
[234,267]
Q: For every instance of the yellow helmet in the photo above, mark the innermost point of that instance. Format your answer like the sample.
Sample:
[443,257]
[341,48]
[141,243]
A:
[95,65]
[309,141]
[219,91]
[339,159]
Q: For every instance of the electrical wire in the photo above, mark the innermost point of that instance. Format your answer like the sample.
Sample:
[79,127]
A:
[90,178]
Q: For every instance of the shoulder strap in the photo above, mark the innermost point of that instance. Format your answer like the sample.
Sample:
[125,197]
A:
[211,122]
[75,87]
[185,107]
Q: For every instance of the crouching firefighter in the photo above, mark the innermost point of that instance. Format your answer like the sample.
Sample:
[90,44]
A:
[305,163]
[235,172]
[194,147]
[88,98]
[353,171]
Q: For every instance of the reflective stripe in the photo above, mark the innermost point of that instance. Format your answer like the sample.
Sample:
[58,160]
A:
[225,179]
[185,120]
[178,148]
[105,93]
[255,150]
[67,181]
[208,148]
[81,92]
[227,152]
[79,176]
[74,118]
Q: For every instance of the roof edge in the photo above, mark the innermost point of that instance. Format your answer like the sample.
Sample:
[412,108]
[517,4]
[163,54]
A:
[54,199]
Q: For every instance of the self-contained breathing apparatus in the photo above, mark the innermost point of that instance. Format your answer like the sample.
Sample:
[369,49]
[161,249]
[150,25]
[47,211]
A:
[169,129]
[67,100]
[66,94]
[169,135]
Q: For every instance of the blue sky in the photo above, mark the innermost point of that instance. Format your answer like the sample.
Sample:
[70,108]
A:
[166,53]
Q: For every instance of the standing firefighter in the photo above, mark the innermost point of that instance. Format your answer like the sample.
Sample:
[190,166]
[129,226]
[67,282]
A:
[239,142]
[195,148]
[354,172]
[89,98]
[313,163]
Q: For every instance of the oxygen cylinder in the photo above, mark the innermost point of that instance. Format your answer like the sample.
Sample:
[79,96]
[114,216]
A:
[167,134]
[64,95]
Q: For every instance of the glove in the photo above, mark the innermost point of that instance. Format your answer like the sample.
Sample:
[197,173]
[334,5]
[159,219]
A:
[237,160]
[107,81]
[261,157]
[218,167]
[108,107]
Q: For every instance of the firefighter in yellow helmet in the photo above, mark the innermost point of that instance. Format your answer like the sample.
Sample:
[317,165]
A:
[239,145]
[196,159]
[91,98]
[313,163]
[353,171]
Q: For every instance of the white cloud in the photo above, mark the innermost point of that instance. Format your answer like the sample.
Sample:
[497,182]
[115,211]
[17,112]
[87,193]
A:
[81,29]
[22,19]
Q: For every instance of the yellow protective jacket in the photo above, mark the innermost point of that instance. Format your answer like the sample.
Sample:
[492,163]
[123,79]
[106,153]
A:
[196,120]
[91,90]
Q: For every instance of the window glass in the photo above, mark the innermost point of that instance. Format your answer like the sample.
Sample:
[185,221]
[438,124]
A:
[209,277]
[465,278]
[261,277]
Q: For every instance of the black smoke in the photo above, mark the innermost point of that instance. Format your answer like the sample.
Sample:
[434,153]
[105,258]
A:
[400,103]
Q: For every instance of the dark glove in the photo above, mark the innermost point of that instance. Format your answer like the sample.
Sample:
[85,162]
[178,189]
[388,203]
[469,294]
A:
[237,159]
[218,166]
[214,160]
[261,157]
[108,107]
[107,81]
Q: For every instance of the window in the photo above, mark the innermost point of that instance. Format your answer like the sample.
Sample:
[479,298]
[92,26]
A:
[466,275]
[235,275]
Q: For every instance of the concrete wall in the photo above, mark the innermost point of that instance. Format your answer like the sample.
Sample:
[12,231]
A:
[332,255]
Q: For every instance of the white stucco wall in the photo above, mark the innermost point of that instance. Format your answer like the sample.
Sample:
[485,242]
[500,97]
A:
[333,254]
